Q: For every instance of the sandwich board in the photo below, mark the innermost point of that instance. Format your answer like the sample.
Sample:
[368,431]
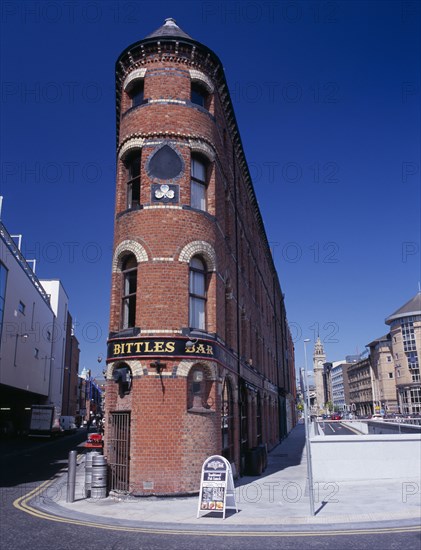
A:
[217,492]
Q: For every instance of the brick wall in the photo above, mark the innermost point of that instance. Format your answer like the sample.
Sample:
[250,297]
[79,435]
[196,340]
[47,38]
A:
[244,307]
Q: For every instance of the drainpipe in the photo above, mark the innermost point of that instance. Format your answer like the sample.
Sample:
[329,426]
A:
[237,282]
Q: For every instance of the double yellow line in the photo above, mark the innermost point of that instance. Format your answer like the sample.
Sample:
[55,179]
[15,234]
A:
[22,504]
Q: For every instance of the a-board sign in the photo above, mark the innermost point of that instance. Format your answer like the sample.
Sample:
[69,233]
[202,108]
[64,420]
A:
[216,486]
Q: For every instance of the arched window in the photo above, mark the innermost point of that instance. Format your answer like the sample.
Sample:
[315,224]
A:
[227,421]
[198,183]
[129,272]
[197,293]
[199,393]
[137,93]
[133,179]
[199,96]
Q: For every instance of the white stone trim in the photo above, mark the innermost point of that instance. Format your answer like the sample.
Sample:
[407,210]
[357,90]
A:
[128,246]
[161,331]
[155,206]
[137,74]
[198,76]
[135,366]
[198,146]
[132,143]
[184,367]
[162,259]
[201,248]
[163,100]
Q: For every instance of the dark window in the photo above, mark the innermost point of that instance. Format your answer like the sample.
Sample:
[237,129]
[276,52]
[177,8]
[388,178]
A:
[199,96]
[129,271]
[137,94]
[133,180]
[198,183]
[227,422]
[259,420]
[197,294]
[22,308]
[165,164]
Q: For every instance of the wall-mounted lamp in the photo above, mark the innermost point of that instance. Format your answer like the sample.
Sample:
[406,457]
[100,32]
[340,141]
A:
[191,343]
[159,366]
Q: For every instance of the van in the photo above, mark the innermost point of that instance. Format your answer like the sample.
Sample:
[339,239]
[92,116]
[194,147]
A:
[67,424]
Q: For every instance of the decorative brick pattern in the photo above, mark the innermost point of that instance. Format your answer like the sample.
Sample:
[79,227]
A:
[130,145]
[198,76]
[137,74]
[125,247]
[200,248]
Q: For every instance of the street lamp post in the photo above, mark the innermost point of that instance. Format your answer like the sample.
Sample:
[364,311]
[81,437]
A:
[307,428]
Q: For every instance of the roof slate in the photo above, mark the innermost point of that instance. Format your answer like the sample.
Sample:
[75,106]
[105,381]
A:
[169,28]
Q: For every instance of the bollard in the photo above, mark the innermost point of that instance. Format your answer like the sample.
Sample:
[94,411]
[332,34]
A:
[99,477]
[71,477]
[88,472]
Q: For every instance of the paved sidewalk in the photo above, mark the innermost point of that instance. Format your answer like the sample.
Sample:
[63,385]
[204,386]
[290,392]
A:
[277,500]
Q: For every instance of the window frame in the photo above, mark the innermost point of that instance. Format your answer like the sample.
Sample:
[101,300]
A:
[199,95]
[197,183]
[127,298]
[137,93]
[195,298]
[133,166]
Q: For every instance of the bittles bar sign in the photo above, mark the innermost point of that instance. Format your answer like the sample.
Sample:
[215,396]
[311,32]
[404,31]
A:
[146,347]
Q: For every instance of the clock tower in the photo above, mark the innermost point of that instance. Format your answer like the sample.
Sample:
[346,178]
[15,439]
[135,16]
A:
[319,358]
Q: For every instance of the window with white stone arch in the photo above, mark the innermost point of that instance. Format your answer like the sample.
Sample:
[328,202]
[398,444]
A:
[197,293]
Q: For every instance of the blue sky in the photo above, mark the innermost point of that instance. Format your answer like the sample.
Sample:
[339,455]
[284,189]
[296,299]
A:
[327,99]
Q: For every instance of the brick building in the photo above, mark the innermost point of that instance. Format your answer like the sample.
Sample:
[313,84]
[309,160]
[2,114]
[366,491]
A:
[200,357]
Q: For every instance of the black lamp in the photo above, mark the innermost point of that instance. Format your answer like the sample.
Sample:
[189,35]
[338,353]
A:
[158,366]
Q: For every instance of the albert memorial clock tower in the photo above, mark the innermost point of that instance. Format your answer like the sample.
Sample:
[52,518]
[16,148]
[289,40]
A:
[319,358]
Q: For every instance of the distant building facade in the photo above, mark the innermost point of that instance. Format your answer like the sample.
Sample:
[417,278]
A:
[33,319]
[384,383]
[339,386]
[360,383]
[405,341]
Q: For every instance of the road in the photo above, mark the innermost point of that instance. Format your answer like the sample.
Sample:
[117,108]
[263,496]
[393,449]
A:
[26,464]
[335,427]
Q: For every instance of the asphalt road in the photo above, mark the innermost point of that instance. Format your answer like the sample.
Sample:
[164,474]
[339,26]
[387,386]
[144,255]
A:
[26,464]
[335,428]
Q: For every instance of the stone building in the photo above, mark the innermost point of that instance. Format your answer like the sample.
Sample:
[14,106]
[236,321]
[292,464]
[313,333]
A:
[200,358]
[360,385]
[384,387]
[405,341]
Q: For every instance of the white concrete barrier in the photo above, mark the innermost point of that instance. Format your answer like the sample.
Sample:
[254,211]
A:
[366,457]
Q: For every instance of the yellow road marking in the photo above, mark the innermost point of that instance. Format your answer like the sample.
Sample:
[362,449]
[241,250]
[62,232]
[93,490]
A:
[21,504]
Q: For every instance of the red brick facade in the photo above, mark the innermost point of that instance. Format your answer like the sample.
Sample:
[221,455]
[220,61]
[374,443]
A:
[228,375]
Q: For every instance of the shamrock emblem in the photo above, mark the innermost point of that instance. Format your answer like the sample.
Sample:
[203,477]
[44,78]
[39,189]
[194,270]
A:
[164,192]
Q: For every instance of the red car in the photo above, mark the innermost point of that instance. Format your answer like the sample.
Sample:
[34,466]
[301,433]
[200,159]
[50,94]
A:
[335,416]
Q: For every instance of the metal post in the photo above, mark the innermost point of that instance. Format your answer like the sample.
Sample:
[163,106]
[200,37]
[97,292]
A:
[307,427]
[71,477]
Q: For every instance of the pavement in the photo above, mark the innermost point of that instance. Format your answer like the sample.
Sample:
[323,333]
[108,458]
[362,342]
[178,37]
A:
[278,500]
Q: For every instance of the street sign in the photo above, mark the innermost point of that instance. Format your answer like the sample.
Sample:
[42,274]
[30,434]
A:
[216,486]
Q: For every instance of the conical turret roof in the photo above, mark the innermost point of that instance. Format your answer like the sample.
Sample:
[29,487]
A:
[412,307]
[169,28]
